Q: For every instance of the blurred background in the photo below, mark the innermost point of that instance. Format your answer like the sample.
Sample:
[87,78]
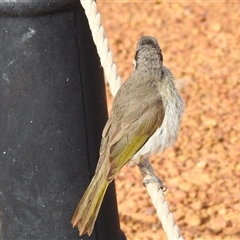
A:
[200,43]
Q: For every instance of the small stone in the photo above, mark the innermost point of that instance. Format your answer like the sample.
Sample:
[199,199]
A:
[222,211]
[216,27]
[201,164]
[192,194]
[179,214]
[193,220]
[197,205]
[217,225]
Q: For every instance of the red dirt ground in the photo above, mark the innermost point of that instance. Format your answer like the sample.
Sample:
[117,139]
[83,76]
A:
[200,42]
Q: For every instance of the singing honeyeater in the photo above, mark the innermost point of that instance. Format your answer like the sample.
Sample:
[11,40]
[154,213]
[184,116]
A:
[145,119]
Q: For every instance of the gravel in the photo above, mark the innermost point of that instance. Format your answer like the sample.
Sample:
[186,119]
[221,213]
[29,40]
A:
[200,42]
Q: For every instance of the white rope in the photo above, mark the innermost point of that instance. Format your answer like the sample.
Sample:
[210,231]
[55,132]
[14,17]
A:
[156,193]
[101,42]
[154,190]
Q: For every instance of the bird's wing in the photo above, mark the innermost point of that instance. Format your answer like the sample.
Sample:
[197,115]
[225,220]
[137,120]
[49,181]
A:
[131,124]
[132,133]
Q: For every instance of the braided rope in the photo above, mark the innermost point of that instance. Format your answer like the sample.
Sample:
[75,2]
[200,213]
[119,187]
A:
[101,42]
[156,193]
[154,190]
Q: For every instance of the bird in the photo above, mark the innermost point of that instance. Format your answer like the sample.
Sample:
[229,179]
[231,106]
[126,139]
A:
[145,120]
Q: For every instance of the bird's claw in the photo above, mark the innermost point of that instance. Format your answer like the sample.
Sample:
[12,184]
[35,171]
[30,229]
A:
[155,179]
[152,179]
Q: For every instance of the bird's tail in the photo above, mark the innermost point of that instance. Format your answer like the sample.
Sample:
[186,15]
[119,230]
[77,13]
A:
[87,210]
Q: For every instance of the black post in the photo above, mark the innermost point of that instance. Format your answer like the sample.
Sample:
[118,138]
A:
[53,110]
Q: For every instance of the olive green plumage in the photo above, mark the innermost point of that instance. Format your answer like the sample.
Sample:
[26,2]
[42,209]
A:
[137,127]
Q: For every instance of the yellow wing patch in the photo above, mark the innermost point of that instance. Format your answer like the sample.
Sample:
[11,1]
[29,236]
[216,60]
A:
[117,161]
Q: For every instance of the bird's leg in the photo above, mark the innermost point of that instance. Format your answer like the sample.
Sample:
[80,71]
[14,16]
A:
[146,169]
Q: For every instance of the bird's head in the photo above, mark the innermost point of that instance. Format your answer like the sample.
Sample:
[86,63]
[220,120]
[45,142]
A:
[148,53]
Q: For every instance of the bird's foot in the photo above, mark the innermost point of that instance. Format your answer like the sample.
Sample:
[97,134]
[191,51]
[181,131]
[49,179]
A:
[153,179]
